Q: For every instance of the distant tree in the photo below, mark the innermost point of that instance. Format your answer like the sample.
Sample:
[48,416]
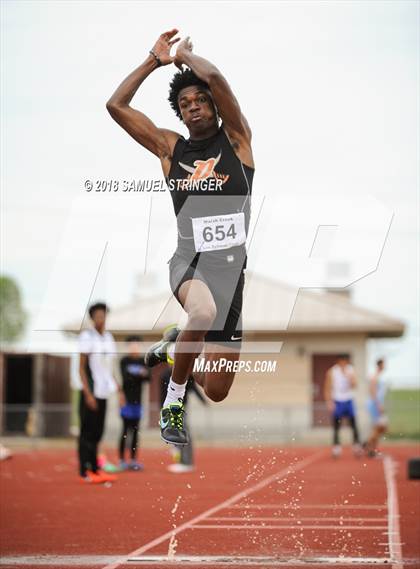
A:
[12,314]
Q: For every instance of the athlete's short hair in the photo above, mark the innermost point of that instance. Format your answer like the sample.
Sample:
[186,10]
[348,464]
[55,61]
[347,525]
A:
[134,338]
[180,80]
[97,306]
[343,357]
[380,361]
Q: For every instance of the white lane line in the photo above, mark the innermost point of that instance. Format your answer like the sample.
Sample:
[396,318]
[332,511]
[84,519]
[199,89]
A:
[295,519]
[226,503]
[287,528]
[309,506]
[227,561]
[57,560]
[394,534]
[63,561]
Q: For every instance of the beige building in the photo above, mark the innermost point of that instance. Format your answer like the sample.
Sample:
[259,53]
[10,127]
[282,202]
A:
[301,332]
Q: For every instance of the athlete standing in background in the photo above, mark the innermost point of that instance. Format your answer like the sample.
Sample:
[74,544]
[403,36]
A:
[340,382]
[97,352]
[376,409]
[134,374]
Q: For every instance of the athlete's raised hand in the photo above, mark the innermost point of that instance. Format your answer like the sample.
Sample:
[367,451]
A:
[162,48]
[184,47]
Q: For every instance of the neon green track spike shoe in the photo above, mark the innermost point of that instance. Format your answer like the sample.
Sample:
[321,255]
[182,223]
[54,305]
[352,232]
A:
[171,424]
[158,353]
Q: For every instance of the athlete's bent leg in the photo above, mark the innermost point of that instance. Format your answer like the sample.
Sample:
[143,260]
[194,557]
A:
[198,303]
[216,384]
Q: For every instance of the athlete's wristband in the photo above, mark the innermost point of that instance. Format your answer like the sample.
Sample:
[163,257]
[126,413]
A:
[157,58]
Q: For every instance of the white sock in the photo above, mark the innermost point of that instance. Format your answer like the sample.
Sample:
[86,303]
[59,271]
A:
[175,393]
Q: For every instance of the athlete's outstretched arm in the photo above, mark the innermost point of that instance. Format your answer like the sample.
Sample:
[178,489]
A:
[353,379]
[373,386]
[226,102]
[158,140]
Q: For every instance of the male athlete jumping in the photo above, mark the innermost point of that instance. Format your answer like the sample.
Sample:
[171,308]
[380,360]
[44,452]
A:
[210,177]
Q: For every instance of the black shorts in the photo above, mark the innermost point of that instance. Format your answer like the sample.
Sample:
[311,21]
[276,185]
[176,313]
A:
[226,284]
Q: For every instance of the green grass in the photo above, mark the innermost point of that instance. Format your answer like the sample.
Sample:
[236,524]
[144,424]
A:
[403,408]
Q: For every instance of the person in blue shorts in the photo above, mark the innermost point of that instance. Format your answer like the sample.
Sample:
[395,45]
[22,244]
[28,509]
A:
[376,409]
[338,392]
[134,373]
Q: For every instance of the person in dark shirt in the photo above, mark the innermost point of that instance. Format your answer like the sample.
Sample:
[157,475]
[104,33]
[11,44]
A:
[134,373]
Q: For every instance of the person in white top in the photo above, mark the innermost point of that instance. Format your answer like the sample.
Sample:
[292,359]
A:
[376,408]
[97,351]
[340,380]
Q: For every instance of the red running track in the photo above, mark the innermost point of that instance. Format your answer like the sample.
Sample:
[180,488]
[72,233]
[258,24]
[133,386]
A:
[260,507]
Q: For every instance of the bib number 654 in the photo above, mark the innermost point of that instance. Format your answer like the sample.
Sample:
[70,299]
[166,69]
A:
[219,233]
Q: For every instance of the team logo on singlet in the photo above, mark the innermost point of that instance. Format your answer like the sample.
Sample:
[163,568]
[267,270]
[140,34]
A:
[202,176]
[203,169]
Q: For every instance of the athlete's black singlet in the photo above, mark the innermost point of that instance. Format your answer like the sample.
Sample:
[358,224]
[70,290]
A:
[211,194]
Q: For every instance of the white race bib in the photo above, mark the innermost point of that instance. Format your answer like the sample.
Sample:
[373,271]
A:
[219,231]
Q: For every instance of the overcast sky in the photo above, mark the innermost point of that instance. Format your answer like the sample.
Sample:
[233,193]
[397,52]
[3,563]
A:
[330,90]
